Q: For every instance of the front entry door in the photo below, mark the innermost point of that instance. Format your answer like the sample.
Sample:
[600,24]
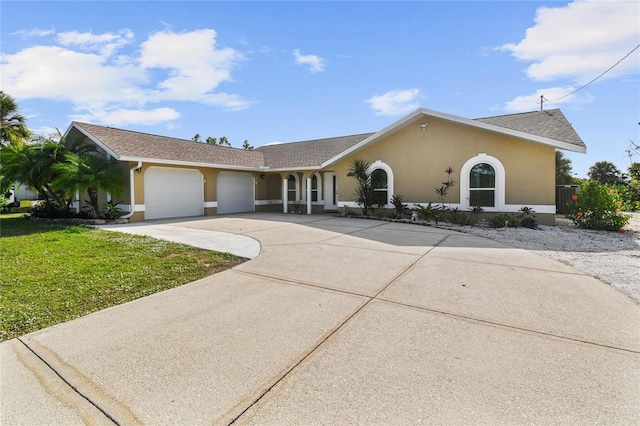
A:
[330,191]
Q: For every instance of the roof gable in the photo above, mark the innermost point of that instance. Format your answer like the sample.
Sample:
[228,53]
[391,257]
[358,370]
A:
[550,124]
[549,128]
[308,153]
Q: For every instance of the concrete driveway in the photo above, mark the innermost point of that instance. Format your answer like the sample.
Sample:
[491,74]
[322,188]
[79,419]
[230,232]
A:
[342,321]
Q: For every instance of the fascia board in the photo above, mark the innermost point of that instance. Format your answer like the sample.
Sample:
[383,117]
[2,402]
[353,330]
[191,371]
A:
[293,169]
[93,139]
[191,164]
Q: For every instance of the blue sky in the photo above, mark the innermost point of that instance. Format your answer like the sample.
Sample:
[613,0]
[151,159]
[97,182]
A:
[289,71]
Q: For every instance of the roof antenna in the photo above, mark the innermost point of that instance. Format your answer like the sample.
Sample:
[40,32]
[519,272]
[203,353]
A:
[541,101]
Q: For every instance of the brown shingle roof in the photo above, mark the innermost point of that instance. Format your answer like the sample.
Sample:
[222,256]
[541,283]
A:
[136,145]
[130,145]
[308,153]
[551,124]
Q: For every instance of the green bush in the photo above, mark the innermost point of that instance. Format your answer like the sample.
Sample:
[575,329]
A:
[4,202]
[429,212]
[525,218]
[597,207]
[458,217]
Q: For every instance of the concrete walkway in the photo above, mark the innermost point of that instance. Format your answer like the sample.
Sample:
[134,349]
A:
[342,321]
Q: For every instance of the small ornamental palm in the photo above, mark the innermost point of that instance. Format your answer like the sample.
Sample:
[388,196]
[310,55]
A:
[89,173]
[359,169]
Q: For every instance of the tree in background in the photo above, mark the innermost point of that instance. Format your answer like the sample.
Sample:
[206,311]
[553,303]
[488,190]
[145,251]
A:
[605,172]
[13,128]
[634,187]
[223,141]
[563,169]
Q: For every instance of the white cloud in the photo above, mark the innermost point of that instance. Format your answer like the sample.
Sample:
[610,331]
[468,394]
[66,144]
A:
[106,44]
[35,32]
[580,40]
[395,102]
[106,84]
[57,73]
[129,116]
[47,132]
[551,95]
[316,63]
[195,66]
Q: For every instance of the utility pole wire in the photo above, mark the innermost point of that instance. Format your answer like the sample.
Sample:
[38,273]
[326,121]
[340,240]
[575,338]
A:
[612,67]
[542,101]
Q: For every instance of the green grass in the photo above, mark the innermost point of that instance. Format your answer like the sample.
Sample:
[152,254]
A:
[54,273]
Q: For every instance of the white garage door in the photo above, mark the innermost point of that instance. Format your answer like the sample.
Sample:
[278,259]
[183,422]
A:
[170,192]
[236,192]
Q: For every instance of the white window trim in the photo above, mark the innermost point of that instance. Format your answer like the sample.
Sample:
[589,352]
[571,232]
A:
[390,182]
[500,181]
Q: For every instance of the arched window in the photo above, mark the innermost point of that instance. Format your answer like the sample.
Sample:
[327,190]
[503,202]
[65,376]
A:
[382,179]
[292,188]
[314,187]
[379,184]
[482,185]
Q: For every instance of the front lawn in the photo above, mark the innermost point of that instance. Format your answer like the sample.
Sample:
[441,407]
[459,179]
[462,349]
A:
[54,273]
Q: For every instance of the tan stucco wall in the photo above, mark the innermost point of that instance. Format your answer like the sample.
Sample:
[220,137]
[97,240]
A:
[418,159]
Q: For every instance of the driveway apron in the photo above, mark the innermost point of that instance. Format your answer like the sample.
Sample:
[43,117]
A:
[341,321]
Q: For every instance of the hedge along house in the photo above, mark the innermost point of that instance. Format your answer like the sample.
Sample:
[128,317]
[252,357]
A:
[501,163]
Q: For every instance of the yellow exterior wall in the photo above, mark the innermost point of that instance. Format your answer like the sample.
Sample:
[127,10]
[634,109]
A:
[418,159]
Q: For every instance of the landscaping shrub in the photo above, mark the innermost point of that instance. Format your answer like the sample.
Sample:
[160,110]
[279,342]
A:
[429,212]
[458,217]
[597,207]
[398,204]
[528,218]
[525,218]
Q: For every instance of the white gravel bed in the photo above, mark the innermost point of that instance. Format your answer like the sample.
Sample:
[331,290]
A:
[612,257]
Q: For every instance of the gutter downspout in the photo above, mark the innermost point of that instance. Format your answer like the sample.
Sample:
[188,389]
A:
[132,190]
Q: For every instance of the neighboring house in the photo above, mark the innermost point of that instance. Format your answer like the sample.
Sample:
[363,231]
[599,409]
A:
[24,193]
[501,163]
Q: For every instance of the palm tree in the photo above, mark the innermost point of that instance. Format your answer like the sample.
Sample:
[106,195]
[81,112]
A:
[13,129]
[33,165]
[605,172]
[563,169]
[359,169]
[88,173]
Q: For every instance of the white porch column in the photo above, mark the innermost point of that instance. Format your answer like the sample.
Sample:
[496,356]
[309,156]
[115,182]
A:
[309,195]
[285,195]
